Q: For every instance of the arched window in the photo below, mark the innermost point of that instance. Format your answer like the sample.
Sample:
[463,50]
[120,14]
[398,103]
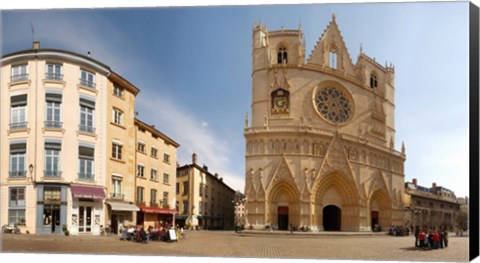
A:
[333,58]
[373,80]
[282,55]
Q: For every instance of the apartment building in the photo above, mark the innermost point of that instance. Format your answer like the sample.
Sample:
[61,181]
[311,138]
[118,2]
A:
[204,201]
[431,207]
[68,146]
[155,176]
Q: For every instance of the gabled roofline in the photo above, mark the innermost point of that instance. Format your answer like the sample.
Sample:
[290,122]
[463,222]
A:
[156,132]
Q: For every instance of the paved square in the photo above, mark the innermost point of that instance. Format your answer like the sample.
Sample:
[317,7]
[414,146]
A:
[259,245]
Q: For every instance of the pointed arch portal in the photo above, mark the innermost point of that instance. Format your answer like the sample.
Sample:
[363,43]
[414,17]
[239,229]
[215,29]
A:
[332,218]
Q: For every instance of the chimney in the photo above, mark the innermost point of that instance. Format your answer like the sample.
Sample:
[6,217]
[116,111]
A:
[36,44]
[216,175]
[194,158]
[414,181]
[205,167]
[434,185]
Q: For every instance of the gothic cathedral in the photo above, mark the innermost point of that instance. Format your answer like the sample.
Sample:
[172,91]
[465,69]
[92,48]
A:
[320,148]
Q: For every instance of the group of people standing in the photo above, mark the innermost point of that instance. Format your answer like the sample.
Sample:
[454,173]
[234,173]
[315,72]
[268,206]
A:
[431,239]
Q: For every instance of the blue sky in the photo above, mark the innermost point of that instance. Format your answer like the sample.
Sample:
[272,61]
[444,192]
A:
[193,66]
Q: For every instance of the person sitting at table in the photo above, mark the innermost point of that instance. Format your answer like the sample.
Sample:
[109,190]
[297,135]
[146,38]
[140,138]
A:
[127,233]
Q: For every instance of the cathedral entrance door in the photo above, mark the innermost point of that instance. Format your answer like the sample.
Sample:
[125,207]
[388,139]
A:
[374,216]
[332,218]
[282,217]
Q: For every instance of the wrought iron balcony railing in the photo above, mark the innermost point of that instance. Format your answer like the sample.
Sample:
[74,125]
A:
[17,174]
[86,176]
[52,174]
[53,124]
[18,125]
[85,128]
[54,76]
[88,83]
[19,77]
[117,196]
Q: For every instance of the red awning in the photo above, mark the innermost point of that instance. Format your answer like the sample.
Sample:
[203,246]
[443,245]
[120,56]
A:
[91,192]
[157,210]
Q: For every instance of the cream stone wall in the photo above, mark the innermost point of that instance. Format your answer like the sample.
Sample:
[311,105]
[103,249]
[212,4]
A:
[36,133]
[152,138]
[124,169]
[298,160]
[212,206]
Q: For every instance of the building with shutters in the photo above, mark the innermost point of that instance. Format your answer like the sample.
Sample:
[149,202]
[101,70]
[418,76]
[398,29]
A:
[320,143]
[68,144]
[204,200]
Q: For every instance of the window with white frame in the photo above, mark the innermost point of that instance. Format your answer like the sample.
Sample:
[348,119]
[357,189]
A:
[87,115]
[140,194]
[118,91]
[16,205]
[17,160]
[53,103]
[117,149]
[52,159]
[153,197]
[87,79]
[153,174]
[166,178]
[116,187]
[141,147]
[53,72]
[141,170]
[154,152]
[18,112]
[166,158]
[19,73]
[117,116]
[86,163]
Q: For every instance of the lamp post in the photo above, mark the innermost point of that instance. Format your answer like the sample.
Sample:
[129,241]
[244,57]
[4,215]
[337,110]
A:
[30,169]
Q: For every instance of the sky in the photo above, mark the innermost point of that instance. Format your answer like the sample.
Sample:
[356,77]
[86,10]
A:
[193,67]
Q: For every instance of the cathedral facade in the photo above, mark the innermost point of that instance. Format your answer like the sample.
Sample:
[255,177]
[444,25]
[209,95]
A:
[320,145]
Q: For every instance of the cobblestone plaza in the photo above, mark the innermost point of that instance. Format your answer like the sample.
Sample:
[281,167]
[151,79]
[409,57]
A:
[263,245]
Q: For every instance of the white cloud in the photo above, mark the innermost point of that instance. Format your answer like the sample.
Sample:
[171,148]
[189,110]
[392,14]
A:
[192,135]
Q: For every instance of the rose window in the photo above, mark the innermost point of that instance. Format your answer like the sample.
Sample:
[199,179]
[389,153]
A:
[333,105]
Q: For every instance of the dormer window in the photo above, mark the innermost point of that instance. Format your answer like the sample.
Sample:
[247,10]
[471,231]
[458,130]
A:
[333,59]
[373,80]
[282,55]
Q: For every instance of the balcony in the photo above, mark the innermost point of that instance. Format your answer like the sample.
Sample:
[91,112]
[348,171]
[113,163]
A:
[117,196]
[88,83]
[53,124]
[86,176]
[19,77]
[52,174]
[53,76]
[17,174]
[87,129]
[18,125]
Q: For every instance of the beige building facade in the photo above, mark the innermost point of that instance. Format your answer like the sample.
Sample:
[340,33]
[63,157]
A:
[121,210]
[155,178]
[69,148]
[320,144]
[53,134]
[432,207]
[204,201]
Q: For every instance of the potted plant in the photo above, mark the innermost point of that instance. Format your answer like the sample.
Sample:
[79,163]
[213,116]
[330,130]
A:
[65,230]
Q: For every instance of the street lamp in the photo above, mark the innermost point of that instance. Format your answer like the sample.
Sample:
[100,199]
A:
[30,169]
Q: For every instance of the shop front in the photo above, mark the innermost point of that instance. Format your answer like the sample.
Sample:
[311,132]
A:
[121,215]
[156,216]
[87,209]
[51,208]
